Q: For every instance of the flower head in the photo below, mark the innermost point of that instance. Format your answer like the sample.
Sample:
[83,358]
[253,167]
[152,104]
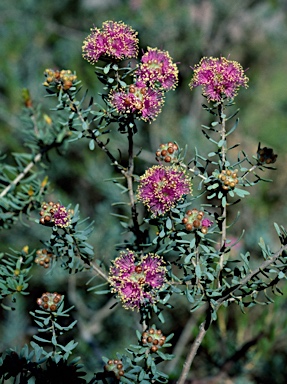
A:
[55,214]
[266,155]
[50,301]
[115,39]
[219,77]
[137,282]
[144,101]
[195,220]
[161,188]
[157,69]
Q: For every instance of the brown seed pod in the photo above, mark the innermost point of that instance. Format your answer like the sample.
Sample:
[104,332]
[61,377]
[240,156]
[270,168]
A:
[188,227]
[53,307]
[196,223]
[132,88]
[149,339]
[184,220]
[42,220]
[164,152]
[120,366]
[189,212]
[47,218]
[145,335]
[158,332]
[138,269]
[170,150]
[144,340]
[121,373]
[204,230]
[154,348]
[155,342]
[151,331]
[167,159]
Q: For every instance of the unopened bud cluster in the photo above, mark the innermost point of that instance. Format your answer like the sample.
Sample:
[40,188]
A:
[55,214]
[229,178]
[153,338]
[63,79]
[194,219]
[167,152]
[43,258]
[115,366]
[49,301]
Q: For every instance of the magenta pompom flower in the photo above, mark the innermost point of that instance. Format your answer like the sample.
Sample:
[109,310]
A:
[114,39]
[158,70]
[144,102]
[219,77]
[162,187]
[55,214]
[137,282]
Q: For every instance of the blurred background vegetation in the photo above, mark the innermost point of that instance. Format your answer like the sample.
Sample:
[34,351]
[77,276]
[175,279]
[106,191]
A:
[40,34]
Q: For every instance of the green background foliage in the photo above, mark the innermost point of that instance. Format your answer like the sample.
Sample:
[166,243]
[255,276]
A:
[38,34]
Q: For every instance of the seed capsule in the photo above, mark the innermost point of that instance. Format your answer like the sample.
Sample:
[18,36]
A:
[188,227]
[163,152]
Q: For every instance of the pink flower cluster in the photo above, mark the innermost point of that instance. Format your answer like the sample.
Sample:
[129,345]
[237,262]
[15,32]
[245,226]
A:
[219,78]
[137,281]
[114,39]
[154,75]
[161,188]
[157,69]
[144,102]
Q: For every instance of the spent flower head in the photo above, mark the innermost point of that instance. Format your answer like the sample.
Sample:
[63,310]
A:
[115,39]
[157,69]
[137,281]
[219,77]
[161,188]
[138,98]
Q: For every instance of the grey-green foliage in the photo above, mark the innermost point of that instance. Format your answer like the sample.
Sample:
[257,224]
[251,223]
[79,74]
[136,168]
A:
[198,264]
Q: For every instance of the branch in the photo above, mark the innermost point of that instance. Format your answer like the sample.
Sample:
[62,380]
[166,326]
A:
[192,353]
[26,170]
[247,278]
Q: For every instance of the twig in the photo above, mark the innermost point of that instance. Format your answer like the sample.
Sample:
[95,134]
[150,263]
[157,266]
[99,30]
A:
[192,353]
[99,271]
[26,170]
[247,278]
[180,345]
[223,159]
